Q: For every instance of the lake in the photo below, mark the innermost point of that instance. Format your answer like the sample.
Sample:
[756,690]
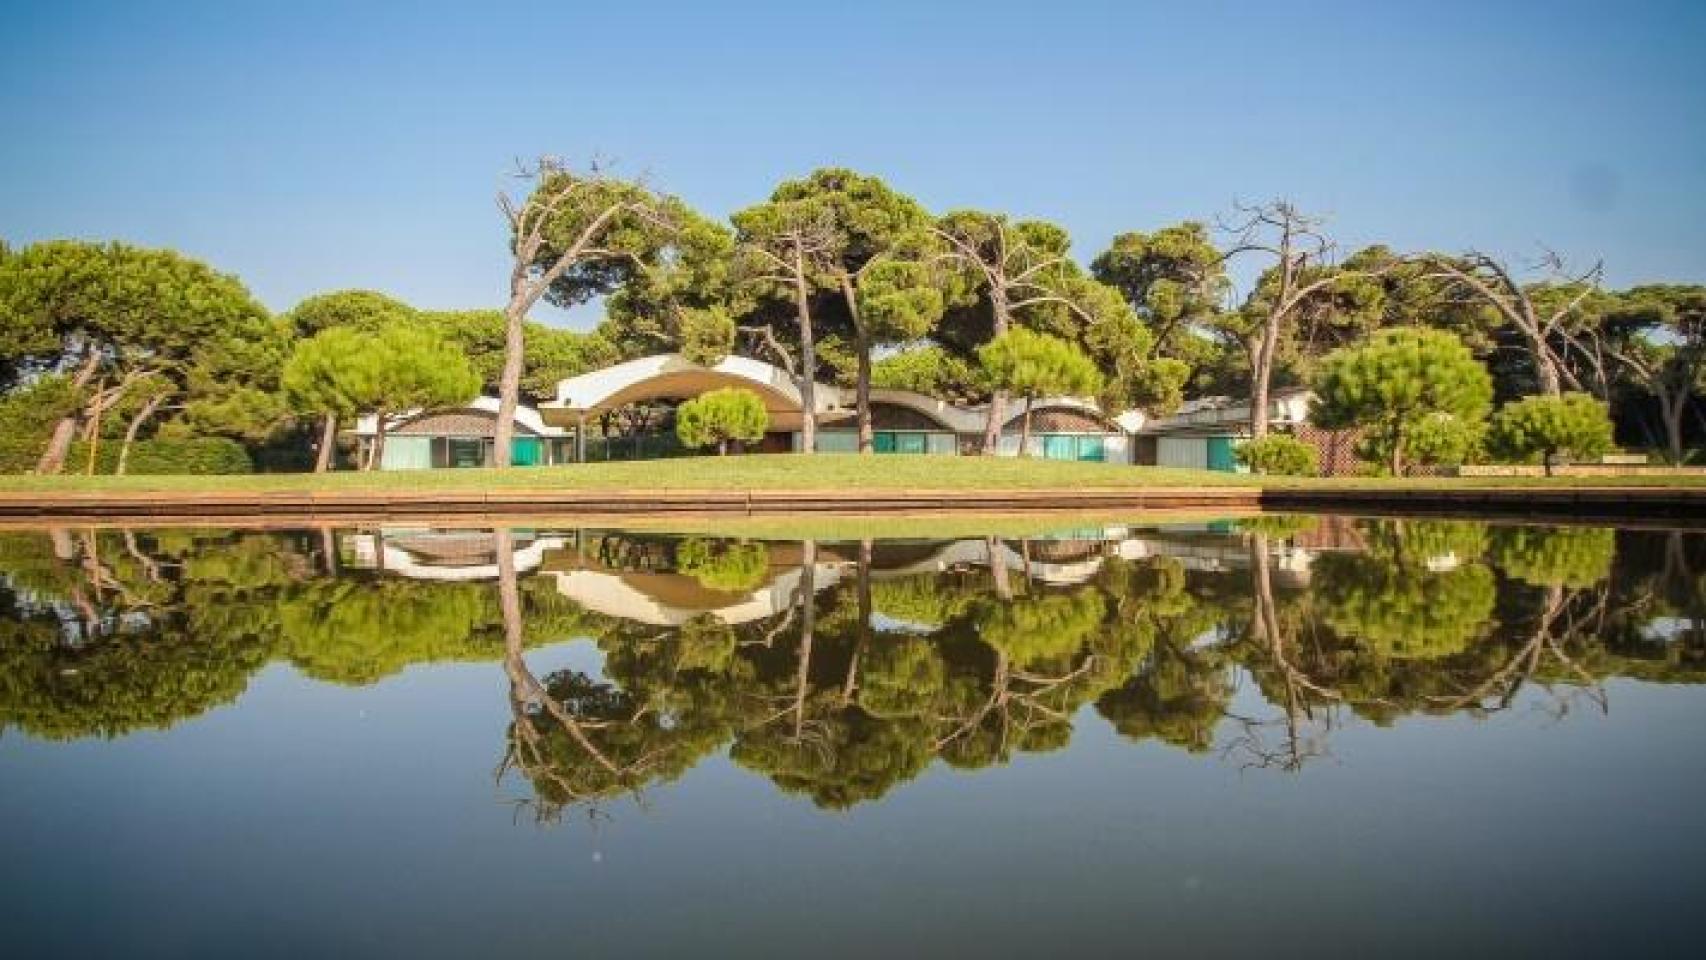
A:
[1271,735]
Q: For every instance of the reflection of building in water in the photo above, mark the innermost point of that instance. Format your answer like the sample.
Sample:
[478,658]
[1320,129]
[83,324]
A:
[443,554]
[636,576]
[668,597]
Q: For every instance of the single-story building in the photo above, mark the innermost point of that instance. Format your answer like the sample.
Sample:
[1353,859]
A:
[1067,428]
[1201,433]
[461,437]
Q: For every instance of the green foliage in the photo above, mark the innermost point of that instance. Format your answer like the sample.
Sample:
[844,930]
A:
[1033,630]
[1445,439]
[1175,281]
[27,414]
[1573,557]
[1543,427]
[903,675]
[193,456]
[932,371]
[1394,381]
[345,371]
[1278,454]
[718,416]
[549,354]
[361,310]
[735,566]
[1034,365]
[1403,610]
[330,372]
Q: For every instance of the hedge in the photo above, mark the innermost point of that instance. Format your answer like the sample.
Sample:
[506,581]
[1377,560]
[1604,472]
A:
[201,455]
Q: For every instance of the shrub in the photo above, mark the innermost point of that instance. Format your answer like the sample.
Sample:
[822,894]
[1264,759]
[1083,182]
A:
[1542,427]
[1445,440]
[198,455]
[1278,454]
[718,416]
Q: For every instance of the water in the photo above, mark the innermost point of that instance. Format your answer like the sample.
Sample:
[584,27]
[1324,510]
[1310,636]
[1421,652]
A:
[1281,735]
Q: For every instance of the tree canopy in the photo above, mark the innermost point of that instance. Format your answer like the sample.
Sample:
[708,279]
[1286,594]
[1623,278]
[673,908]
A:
[1394,382]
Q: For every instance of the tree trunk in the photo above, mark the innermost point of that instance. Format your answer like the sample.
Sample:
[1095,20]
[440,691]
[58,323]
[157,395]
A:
[376,455]
[998,568]
[862,586]
[808,625]
[509,382]
[131,431]
[59,442]
[328,442]
[808,357]
[1263,372]
[1025,433]
[94,432]
[1546,461]
[992,426]
[862,383]
[997,400]
[1671,406]
[329,551]
[1398,455]
[1545,366]
[722,448]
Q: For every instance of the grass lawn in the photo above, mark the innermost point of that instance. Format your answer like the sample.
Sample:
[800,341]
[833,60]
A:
[772,472]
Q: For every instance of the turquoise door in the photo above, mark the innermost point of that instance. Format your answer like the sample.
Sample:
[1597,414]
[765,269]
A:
[1220,454]
[526,452]
[1057,447]
[883,442]
[1092,448]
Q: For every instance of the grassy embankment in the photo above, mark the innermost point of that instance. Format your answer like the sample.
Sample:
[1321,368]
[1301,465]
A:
[843,472]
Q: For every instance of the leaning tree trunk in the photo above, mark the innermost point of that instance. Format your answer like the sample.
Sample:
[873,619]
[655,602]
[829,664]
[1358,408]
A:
[130,432]
[509,382]
[59,442]
[328,443]
[1545,362]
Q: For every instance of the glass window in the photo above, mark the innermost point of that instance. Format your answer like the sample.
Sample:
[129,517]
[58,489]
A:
[407,453]
[466,453]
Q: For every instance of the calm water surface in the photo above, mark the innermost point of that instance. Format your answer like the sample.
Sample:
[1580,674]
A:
[1279,736]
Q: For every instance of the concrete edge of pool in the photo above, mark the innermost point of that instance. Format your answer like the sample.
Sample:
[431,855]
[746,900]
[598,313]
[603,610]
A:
[1581,504]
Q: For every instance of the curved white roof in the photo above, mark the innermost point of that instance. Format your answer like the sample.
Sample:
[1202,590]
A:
[590,391]
[525,416]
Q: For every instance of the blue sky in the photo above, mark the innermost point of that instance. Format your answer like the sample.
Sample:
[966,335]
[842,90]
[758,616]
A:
[313,146]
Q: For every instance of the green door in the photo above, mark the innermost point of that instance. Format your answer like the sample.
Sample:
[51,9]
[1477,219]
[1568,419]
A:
[883,441]
[526,452]
[1092,448]
[1220,454]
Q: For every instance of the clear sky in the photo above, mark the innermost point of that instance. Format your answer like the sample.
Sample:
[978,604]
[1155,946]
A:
[311,146]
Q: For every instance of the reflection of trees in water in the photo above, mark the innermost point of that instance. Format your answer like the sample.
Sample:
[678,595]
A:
[861,684]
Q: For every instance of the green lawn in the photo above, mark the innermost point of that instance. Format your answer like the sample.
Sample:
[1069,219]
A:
[768,472]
